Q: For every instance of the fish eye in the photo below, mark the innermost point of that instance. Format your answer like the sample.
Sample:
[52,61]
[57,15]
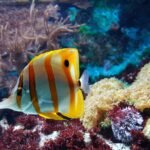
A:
[66,63]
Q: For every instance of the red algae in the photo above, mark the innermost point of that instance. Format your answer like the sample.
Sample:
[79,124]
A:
[19,139]
[70,139]
[139,141]
[71,135]
[52,125]
[97,143]
[27,122]
[73,139]
[50,145]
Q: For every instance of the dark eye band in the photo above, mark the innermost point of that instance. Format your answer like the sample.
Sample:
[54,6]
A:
[66,63]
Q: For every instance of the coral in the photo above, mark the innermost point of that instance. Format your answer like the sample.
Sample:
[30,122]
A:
[102,97]
[130,32]
[37,29]
[124,119]
[107,93]
[106,123]
[72,11]
[146,130]
[139,91]
[107,17]
[132,41]
[112,69]
[144,71]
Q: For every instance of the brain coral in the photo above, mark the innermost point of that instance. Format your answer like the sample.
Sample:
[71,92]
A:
[107,93]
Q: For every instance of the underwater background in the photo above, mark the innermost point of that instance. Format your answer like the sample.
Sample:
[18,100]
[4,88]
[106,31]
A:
[113,40]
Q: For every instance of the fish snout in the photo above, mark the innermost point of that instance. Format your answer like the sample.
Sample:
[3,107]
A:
[79,83]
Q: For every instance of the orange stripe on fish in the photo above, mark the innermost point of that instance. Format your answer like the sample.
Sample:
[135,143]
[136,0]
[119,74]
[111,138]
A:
[32,88]
[51,81]
[19,90]
[65,65]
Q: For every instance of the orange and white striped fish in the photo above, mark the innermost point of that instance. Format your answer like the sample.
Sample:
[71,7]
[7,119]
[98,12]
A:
[50,87]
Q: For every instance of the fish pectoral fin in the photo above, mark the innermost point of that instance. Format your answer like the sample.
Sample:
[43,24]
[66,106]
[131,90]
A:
[51,115]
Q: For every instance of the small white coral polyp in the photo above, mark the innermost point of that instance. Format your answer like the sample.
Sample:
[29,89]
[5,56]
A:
[123,121]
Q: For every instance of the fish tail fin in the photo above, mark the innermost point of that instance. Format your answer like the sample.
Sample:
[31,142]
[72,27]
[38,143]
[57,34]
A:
[9,103]
[85,82]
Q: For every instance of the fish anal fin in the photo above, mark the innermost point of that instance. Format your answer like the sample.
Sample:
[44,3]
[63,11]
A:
[50,115]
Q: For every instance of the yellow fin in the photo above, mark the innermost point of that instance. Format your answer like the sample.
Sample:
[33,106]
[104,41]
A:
[50,115]
[79,109]
[79,106]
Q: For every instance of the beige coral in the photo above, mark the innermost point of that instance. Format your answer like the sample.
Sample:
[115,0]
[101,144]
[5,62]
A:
[139,91]
[109,92]
[146,129]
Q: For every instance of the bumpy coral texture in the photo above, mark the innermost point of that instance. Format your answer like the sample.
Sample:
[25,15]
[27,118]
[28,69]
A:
[107,93]
[102,97]
[139,91]
[27,132]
